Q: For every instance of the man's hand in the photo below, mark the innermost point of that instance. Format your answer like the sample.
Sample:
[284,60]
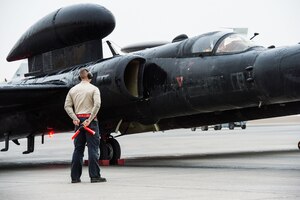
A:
[76,122]
[86,123]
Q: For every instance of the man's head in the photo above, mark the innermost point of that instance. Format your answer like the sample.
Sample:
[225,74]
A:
[84,74]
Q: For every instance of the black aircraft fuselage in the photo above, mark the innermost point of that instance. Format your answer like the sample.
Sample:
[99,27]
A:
[213,78]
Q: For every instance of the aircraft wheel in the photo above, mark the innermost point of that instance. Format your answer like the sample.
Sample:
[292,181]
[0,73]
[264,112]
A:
[204,128]
[299,145]
[231,126]
[243,126]
[113,151]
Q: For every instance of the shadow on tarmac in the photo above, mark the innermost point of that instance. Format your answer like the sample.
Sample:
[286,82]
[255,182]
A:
[171,161]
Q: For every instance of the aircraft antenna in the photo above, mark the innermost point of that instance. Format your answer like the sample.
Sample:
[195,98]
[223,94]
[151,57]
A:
[112,49]
[255,34]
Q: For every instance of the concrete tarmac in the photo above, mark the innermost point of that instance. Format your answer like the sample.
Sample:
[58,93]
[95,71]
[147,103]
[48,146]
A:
[261,162]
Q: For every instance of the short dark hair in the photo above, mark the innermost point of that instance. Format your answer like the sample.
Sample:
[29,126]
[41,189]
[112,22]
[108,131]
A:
[82,74]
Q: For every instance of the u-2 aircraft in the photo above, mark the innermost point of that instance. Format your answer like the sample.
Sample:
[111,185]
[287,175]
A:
[213,78]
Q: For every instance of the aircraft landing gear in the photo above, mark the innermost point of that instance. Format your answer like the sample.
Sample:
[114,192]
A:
[299,145]
[6,135]
[110,150]
[231,126]
[30,144]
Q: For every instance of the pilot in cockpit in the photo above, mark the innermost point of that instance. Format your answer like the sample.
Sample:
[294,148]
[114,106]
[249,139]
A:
[230,45]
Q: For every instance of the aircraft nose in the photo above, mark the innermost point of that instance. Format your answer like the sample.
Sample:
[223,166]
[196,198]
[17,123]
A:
[277,73]
[290,70]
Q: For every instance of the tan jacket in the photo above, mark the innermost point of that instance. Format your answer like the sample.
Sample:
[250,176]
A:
[85,98]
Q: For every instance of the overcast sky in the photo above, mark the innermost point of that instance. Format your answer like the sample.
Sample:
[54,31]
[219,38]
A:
[277,21]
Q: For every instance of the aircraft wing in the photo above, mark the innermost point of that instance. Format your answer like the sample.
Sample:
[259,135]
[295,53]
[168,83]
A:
[13,96]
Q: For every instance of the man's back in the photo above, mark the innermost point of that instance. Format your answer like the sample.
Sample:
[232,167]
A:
[85,98]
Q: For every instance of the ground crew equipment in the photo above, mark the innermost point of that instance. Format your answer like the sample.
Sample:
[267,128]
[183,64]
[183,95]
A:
[80,129]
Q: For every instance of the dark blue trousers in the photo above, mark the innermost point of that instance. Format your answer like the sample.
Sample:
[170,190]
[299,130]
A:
[92,142]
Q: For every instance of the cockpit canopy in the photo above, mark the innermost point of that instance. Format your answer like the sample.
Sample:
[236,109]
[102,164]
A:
[220,43]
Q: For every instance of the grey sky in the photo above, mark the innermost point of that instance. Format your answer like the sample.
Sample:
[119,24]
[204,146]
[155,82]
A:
[277,21]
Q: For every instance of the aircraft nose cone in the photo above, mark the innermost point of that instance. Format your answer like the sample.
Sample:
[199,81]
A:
[290,69]
[277,74]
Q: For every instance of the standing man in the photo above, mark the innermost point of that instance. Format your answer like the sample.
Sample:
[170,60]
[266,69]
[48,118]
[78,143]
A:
[85,98]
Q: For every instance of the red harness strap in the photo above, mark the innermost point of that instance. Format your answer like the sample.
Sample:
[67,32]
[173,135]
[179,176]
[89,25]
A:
[83,115]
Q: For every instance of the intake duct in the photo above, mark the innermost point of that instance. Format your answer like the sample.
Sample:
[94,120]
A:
[121,79]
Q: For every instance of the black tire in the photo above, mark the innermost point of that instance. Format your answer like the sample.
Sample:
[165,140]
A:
[243,127]
[204,128]
[193,129]
[114,151]
[231,126]
[299,145]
